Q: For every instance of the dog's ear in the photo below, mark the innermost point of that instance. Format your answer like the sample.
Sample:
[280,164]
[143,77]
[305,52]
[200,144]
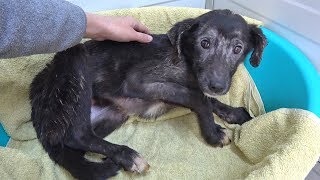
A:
[175,35]
[175,32]
[259,42]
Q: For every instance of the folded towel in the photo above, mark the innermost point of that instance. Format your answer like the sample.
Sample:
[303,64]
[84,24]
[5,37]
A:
[278,145]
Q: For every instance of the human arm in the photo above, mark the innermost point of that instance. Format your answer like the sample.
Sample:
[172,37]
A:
[46,26]
[39,26]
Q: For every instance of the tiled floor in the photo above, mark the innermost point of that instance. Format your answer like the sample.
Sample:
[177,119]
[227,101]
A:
[315,172]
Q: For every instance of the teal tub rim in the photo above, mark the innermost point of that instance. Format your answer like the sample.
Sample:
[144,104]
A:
[4,138]
[308,71]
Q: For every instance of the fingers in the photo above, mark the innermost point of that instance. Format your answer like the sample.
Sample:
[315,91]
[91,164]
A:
[138,26]
[122,29]
[142,31]
[142,37]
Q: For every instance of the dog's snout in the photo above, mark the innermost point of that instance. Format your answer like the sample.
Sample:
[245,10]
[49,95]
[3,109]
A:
[214,82]
[216,87]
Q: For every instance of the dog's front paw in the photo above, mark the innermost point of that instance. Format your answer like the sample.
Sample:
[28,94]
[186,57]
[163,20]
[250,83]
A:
[221,137]
[237,116]
[130,160]
[240,115]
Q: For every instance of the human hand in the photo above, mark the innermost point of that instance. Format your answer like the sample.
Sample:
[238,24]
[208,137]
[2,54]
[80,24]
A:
[122,29]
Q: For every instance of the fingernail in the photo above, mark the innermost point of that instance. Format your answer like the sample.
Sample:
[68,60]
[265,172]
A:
[149,38]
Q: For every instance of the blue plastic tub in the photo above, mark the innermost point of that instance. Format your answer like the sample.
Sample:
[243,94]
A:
[285,78]
[4,138]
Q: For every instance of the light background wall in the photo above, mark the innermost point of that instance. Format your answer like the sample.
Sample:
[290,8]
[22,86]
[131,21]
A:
[296,20]
[99,5]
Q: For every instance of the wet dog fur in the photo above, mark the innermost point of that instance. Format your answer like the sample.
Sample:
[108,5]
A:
[89,90]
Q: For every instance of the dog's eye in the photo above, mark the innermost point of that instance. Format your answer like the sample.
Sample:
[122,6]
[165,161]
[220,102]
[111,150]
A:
[237,49]
[205,43]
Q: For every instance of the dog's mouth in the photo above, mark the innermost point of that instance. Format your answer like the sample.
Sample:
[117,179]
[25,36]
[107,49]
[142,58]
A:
[212,94]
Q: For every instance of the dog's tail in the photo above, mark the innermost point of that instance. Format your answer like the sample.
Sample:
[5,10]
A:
[61,99]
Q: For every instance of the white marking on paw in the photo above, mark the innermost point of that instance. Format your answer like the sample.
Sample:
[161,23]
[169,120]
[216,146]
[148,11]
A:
[227,138]
[140,165]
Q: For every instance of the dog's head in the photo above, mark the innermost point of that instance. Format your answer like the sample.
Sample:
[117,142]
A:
[215,44]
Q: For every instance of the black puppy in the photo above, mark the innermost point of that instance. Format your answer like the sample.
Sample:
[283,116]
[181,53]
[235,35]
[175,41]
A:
[89,90]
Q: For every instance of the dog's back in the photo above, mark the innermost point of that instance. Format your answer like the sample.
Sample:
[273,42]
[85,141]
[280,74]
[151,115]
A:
[115,62]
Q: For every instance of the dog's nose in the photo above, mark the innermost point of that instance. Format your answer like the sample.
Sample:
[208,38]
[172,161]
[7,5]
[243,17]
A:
[216,87]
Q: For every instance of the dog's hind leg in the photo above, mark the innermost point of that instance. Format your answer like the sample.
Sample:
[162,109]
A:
[126,157]
[90,138]
[61,101]
[81,168]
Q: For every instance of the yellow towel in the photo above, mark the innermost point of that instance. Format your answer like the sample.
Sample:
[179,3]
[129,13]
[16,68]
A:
[282,144]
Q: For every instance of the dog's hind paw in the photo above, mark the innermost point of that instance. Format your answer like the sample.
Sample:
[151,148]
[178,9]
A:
[140,165]
[109,169]
[130,160]
[96,170]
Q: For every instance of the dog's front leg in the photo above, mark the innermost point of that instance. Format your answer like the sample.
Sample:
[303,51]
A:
[213,133]
[173,93]
[230,114]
